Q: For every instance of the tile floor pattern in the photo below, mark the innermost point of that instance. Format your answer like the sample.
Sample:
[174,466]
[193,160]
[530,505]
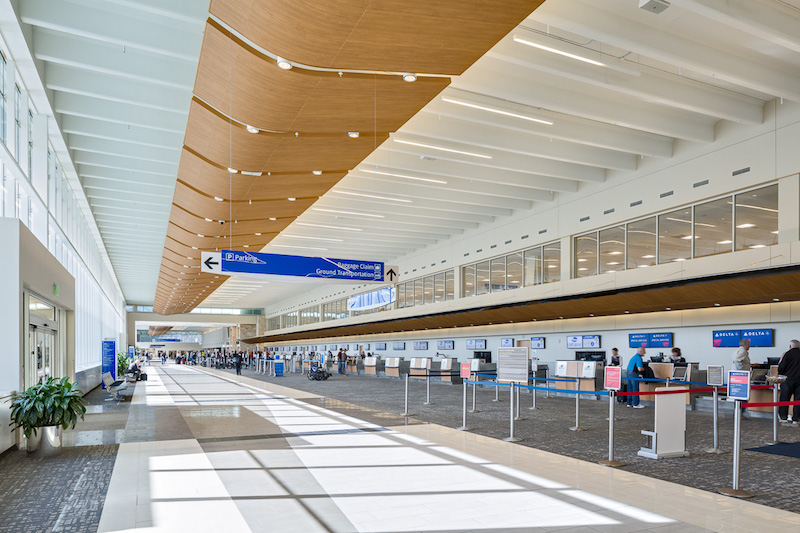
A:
[263,459]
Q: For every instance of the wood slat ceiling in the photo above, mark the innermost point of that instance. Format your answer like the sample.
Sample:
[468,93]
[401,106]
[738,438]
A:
[155,331]
[303,115]
[726,290]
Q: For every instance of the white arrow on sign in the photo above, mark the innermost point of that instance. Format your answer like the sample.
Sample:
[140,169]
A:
[391,273]
[211,262]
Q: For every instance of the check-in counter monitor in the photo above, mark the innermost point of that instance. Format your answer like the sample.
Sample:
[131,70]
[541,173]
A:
[373,366]
[447,367]
[396,367]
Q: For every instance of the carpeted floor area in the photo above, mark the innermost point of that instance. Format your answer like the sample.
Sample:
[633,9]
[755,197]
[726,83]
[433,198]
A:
[772,477]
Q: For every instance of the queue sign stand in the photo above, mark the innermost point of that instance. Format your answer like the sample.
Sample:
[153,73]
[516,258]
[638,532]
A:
[513,367]
[612,383]
[715,379]
[738,391]
[465,375]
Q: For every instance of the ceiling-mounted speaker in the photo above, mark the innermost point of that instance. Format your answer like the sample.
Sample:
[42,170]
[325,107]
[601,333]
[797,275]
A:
[653,6]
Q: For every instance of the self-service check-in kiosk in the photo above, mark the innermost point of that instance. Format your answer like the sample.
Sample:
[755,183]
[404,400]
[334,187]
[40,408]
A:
[396,367]
[373,366]
[448,366]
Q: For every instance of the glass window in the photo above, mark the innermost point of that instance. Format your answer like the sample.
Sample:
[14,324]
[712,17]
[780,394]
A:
[468,280]
[757,218]
[713,228]
[30,145]
[438,286]
[482,279]
[612,249]
[586,255]
[551,254]
[428,288]
[450,284]
[533,266]
[401,295]
[419,296]
[641,240]
[18,121]
[498,276]
[3,97]
[514,271]
[675,236]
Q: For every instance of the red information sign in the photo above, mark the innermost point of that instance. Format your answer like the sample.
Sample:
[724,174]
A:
[613,378]
[465,370]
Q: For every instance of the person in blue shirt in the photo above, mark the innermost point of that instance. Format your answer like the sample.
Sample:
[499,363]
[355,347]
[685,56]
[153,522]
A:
[635,367]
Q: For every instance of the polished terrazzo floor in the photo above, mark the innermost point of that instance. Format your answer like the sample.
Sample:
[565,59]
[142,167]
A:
[204,451]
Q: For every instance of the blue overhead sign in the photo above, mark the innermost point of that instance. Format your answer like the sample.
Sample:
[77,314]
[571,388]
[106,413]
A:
[727,339]
[660,340]
[638,340]
[759,338]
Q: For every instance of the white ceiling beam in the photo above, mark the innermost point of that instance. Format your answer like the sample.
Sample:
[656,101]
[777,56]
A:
[111,214]
[100,25]
[150,180]
[124,188]
[442,193]
[454,185]
[114,182]
[409,217]
[772,21]
[378,226]
[115,89]
[468,133]
[126,114]
[189,12]
[503,80]
[113,60]
[650,86]
[342,247]
[118,132]
[124,163]
[424,203]
[99,194]
[413,165]
[501,160]
[587,19]
[565,127]
[127,205]
[168,155]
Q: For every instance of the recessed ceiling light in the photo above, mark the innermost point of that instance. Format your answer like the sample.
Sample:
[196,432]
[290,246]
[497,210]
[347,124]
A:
[582,260]
[353,134]
[557,51]
[232,170]
[615,252]
[282,63]
[291,198]
[669,309]
[258,234]
[374,196]
[340,212]
[716,305]
[757,246]
[273,218]
[247,246]
[194,247]
[405,176]
[252,129]
[776,299]
[495,110]
[442,148]
[317,172]
[209,220]
[326,226]
[409,77]
[724,242]
[648,256]
[745,226]
[687,238]
[187,257]
[251,173]
[583,269]
[217,198]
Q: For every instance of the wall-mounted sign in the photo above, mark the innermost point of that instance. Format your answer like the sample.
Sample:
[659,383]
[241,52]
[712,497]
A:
[591,341]
[537,343]
[445,345]
[574,341]
[759,338]
[420,345]
[476,344]
[380,346]
[399,346]
[660,340]
[638,340]
[109,358]
[650,340]
[507,343]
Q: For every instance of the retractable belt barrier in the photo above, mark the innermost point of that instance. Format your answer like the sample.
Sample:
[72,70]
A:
[769,404]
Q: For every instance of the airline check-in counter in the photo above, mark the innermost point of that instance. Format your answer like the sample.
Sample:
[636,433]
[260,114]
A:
[420,365]
[480,366]
[447,366]
[588,373]
[374,365]
[760,375]
[396,367]
[677,375]
[354,364]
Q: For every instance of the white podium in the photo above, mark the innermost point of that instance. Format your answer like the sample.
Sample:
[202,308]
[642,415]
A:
[669,437]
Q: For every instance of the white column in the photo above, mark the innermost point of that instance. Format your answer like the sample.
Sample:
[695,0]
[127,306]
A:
[788,214]
[566,258]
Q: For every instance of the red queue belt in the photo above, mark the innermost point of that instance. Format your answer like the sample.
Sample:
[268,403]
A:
[770,404]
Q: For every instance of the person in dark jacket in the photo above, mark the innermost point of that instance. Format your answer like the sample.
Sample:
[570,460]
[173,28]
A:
[790,367]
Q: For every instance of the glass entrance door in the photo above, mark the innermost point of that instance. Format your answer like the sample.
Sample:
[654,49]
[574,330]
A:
[41,357]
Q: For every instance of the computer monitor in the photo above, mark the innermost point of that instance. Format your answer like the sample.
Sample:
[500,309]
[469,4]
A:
[656,358]
[679,373]
[759,375]
[773,360]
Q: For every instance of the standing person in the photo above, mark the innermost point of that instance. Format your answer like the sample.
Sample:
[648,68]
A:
[615,360]
[635,368]
[237,362]
[740,359]
[790,367]
[340,361]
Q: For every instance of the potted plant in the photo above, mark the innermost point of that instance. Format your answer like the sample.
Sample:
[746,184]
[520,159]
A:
[43,410]
[123,362]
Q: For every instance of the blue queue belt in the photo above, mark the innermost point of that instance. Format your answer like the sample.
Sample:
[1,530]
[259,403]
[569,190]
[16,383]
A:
[530,387]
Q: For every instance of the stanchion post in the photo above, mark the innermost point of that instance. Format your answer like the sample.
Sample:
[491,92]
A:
[611,405]
[496,392]
[577,426]
[405,404]
[737,443]
[774,415]
[428,389]
[517,394]
[547,379]
[716,449]
[464,426]
[533,394]
[474,397]
[511,437]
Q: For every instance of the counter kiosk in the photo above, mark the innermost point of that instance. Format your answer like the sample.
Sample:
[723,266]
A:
[481,366]
[450,364]
[354,364]
[758,376]
[589,374]
[396,367]
[667,371]
[373,366]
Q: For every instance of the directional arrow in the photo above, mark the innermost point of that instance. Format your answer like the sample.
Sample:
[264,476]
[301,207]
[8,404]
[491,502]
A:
[209,263]
[391,274]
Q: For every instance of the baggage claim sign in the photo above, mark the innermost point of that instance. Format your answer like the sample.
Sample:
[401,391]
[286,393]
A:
[295,267]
